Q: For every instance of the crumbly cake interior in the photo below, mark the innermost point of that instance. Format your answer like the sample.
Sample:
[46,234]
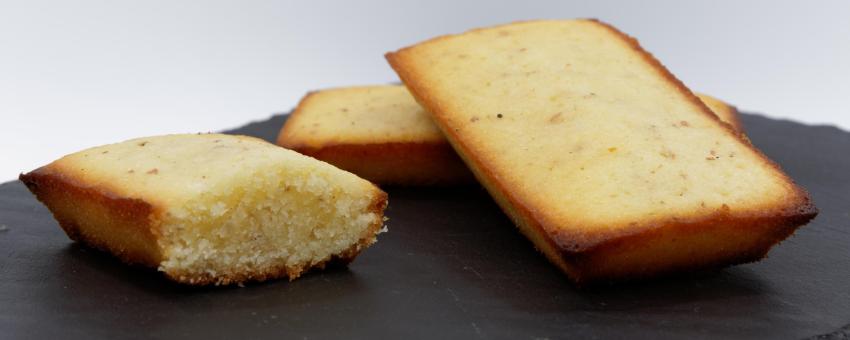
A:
[234,205]
[592,134]
[362,115]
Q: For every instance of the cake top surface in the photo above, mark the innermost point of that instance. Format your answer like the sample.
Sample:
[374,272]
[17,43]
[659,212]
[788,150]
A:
[172,169]
[574,122]
[385,114]
[358,115]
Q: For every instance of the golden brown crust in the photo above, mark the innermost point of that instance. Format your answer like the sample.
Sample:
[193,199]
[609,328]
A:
[423,162]
[600,255]
[427,163]
[84,213]
[726,112]
[734,119]
[89,215]
[729,239]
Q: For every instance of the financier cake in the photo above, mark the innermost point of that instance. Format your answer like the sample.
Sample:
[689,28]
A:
[211,208]
[377,132]
[607,162]
[380,133]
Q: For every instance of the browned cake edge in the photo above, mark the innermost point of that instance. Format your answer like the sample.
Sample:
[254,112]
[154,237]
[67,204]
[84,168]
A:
[405,164]
[735,119]
[398,163]
[108,219]
[67,199]
[607,255]
[734,116]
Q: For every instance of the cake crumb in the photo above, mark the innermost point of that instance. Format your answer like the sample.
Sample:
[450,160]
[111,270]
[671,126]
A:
[153,171]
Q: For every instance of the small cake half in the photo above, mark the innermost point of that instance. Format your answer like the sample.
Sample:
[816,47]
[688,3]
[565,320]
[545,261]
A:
[211,208]
[603,159]
[381,134]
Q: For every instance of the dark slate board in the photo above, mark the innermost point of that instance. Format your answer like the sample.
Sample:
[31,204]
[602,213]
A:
[452,266]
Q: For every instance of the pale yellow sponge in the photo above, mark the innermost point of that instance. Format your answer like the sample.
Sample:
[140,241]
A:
[211,208]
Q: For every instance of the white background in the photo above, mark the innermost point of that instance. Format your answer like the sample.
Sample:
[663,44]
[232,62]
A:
[83,73]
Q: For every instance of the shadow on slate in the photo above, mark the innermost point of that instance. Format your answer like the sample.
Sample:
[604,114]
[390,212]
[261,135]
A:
[452,266]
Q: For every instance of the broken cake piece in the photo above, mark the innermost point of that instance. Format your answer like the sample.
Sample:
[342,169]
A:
[211,208]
